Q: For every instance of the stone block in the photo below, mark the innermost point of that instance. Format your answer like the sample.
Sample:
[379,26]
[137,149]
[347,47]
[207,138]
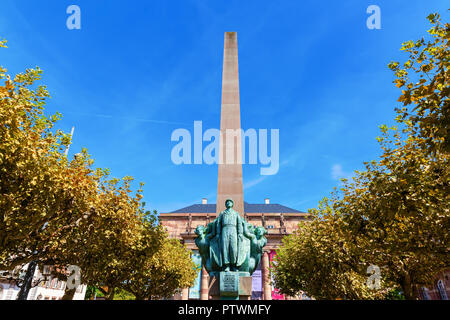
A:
[245,286]
[214,286]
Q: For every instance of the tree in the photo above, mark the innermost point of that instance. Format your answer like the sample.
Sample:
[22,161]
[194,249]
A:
[123,295]
[123,248]
[41,194]
[424,79]
[395,213]
[397,210]
[104,245]
[60,213]
[399,207]
[158,276]
[319,259]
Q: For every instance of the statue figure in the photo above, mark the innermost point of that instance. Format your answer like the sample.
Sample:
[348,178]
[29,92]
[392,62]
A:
[214,245]
[189,224]
[208,246]
[202,244]
[230,243]
[258,242]
[229,227]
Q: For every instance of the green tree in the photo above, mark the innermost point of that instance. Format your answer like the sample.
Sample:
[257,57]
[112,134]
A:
[399,207]
[158,276]
[60,213]
[41,194]
[123,295]
[424,79]
[104,246]
[394,214]
[319,259]
[397,211]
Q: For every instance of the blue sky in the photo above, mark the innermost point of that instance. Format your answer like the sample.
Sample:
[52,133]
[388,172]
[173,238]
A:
[137,70]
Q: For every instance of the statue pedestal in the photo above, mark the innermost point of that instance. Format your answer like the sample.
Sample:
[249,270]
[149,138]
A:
[230,285]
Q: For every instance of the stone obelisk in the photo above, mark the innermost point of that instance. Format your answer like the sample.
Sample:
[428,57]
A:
[230,164]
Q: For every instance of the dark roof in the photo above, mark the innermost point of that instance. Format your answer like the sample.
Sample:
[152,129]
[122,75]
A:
[198,208]
[268,208]
[248,208]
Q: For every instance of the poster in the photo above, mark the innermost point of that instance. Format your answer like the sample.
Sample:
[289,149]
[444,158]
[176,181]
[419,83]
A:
[257,284]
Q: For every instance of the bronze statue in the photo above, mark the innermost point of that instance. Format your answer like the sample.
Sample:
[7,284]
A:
[230,243]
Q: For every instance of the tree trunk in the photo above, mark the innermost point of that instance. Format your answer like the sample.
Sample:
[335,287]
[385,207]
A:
[408,288]
[110,294]
[68,294]
[27,281]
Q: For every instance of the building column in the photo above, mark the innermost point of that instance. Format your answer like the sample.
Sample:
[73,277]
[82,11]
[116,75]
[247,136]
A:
[185,294]
[204,294]
[267,291]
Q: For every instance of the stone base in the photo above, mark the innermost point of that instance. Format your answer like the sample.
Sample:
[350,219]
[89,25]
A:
[245,288]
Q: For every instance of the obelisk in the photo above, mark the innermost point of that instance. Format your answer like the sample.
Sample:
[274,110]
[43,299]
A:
[229,184]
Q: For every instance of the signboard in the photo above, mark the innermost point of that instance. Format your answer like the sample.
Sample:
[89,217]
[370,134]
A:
[194,291]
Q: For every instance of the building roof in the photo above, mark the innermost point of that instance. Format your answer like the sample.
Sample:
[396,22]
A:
[248,208]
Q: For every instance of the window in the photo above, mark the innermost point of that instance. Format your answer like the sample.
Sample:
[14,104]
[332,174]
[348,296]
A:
[46,270]
[47,283]
[270,227]
[441,288]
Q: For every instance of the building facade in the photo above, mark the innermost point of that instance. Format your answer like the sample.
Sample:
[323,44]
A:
[440,289]
[44,288]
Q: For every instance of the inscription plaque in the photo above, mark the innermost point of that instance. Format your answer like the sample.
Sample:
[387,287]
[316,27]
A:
[229,284]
